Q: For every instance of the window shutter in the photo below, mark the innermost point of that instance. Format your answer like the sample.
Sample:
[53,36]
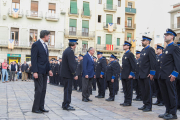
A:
[52,6]
[118,41]
[86,8]
[85,24]
[129,35]
[109,4]
[15,1]
[108,39]
[34,6]
[84,42]
[72,23]
[129,18]
[108,19]
[99,40]
[73,7]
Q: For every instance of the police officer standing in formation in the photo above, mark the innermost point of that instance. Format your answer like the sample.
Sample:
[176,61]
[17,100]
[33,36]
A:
[117,76]
[56,71]
[159,101]
[147,66]
[136,80]
[53,70]
[100,71]
[79,72]
[60,76]
[128,72]
[68,73]
[177,85]
[110,74]
[51,77]
[169,71]
[75,84]
[94,80]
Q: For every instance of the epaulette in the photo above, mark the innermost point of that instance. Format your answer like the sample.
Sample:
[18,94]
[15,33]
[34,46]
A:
[175,44]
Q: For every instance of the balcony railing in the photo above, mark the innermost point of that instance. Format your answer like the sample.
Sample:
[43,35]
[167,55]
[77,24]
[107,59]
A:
[130,10]
[110,7]
[176,26]
[85,15]
[103,47]
[52,16]
[105,25]
[79,33]
[74,14]
[10,13]
[34,14]
[133,26]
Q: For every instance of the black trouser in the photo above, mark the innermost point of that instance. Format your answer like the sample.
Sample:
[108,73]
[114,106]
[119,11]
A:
[146,91]
[75,84]
[67,92]
[116,80]
[40,92]
[153,88]
[169,95]
[137,88]
[56,79]
[178,92]
[61,80]
[94,84]
[111,89]
[101,86]
[158,92]
[128,90]
[86,86]
[80,82]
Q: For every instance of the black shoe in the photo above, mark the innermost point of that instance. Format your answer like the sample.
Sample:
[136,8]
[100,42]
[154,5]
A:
[122,91]
[84,100]
[170,116]
[100,97]
[138,99]
[141,108]
[44,110]
[135,99]
[89,100]
[126,104]
[110,99]
[61,85]
[38,111]
[94,90]
[156,103]
[162,115]
[122,104]
[153,96]
[160,104]
[147,110]
[97,96]
[69,108]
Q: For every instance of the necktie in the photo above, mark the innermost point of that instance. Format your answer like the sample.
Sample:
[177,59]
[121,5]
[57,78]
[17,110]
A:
[45,47]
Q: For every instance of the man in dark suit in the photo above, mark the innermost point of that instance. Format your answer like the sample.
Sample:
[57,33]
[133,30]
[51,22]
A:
[40,69]
[79,72]
[68,73]
[88,74]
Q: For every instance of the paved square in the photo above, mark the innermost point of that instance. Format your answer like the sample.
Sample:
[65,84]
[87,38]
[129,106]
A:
[16,99]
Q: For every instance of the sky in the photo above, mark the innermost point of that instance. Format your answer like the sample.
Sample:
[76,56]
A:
[153,14]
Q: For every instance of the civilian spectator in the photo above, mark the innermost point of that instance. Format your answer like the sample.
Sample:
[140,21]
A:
[24,68]
[13,70]
[4,71]
[0,70]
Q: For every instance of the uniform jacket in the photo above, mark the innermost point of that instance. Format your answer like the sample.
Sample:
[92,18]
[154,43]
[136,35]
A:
[101,67]
[147,63]
[137,69]
[60,67]
[158,60]
[111,71]
[68,63]
[79,68]
[128,65]
[56,69]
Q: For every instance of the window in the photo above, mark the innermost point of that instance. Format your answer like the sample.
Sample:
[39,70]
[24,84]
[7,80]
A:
[129,37]
[108,19]
[100,1]
[118,41]
[86,10]
[34,8]
[73,7]
[85,28]
[33,36]
[99,18]
[15,35]
[118,21]
[109,4]
[99,40]
[129,5]
[108,39]
[129,22]
[84,46]
[119,3]
[51,41]
[15,4]
[178,22]
[157,36]
[72,27]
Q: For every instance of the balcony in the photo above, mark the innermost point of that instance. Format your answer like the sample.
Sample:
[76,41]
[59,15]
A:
[52,16]
[103,48]
[11,14]
[85,15]
[110,8]
[130,10]
[73,14]
[130,27]
[105,26]
[176,26]
[38,15]
[79,34]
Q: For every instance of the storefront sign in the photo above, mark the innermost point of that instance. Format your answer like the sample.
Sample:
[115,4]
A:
[13,55]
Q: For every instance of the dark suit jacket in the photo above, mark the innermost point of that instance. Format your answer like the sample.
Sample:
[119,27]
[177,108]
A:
[24,67]
[39,58]
[88,66]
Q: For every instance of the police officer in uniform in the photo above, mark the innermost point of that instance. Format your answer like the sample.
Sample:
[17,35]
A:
[147,67]
[128,72]
[53,70]
[177,85]
[159,101]
[79,72]
[169,71]
[110,74]
[68,73]
[117,76]
[94,80]
[60,76]
[56,70]
[137,86]
[51,77]
[75,83]
[100,71]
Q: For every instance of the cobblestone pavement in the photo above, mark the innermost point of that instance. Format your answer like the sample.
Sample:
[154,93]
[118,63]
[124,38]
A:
[16,99]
